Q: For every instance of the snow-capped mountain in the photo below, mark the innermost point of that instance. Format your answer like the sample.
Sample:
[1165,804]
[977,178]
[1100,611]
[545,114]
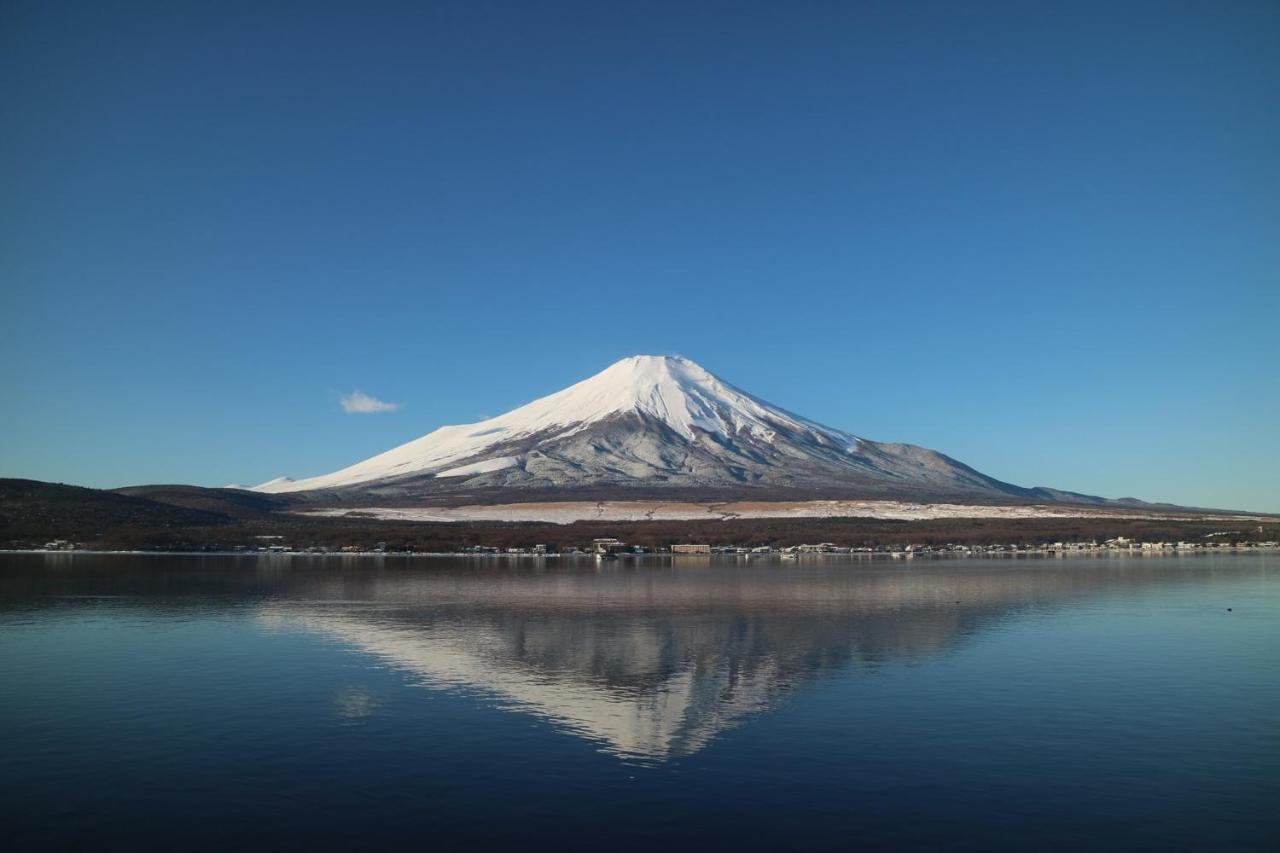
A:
[654,422]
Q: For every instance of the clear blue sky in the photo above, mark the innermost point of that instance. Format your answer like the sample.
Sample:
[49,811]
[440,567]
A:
[1042,238]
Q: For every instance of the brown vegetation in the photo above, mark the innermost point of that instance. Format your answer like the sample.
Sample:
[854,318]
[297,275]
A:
[190,518]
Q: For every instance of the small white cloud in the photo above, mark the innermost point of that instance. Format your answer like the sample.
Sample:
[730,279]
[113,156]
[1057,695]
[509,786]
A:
[358,402]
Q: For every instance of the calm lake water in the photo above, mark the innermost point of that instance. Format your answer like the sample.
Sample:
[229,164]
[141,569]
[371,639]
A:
[166,702]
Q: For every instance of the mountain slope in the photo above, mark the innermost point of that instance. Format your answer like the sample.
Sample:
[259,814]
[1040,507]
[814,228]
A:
[656,423]
[31,509]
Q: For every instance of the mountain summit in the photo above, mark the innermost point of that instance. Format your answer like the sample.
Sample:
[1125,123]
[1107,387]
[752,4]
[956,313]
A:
[656,422]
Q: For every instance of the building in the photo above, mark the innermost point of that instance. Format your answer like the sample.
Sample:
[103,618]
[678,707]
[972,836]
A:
[607,546]
[690,549]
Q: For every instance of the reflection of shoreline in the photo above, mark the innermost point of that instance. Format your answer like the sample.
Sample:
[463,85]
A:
[571,559]
[654,664]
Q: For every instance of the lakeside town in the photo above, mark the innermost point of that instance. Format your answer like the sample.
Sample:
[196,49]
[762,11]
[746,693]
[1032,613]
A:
[48,517]
[609,548]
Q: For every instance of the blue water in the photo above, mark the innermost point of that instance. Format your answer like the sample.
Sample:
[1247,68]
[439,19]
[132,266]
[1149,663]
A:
[157,702]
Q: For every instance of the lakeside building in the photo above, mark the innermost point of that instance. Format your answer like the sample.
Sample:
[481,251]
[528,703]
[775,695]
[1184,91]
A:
[607,546]
[690,549]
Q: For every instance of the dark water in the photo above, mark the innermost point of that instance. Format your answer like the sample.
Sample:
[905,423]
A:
[211,702]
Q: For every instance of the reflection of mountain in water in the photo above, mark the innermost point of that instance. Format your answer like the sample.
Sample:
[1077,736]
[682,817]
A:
[654,663]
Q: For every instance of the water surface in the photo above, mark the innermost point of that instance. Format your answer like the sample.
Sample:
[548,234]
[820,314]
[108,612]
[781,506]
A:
[833,703]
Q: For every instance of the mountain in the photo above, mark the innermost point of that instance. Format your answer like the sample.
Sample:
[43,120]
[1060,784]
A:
[35,510]
[658,425]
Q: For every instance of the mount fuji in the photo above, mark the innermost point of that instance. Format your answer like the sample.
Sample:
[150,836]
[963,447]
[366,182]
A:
[651,426]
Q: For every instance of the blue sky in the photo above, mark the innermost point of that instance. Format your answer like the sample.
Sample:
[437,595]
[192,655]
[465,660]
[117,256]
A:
[1042,238]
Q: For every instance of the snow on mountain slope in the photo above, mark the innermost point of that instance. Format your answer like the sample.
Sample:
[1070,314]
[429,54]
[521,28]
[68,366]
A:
[673,390]
[651,420]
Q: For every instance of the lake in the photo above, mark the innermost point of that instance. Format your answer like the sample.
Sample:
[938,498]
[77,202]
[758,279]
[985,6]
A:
[1100,703]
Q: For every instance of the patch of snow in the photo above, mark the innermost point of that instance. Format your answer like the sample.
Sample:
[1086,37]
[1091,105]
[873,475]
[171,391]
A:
[568,512]
[482,467]
[279,484]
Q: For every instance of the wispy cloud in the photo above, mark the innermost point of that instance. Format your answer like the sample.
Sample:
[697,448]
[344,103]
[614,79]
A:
[360,403]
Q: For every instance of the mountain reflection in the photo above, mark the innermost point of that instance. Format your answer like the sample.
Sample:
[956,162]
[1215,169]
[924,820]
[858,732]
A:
[653,662]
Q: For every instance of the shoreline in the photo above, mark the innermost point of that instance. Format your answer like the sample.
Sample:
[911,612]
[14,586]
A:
[911,552]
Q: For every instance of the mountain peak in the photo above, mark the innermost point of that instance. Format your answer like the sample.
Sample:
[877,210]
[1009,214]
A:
[680,393]
[640,374]
[640,370]
[647,360]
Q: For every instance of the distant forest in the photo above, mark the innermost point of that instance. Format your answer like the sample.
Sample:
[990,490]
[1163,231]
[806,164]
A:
[190,518]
